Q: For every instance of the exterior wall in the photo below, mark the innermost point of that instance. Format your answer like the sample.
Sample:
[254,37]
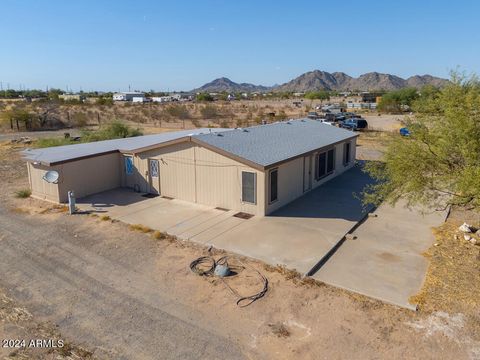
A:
[291,176]
[40,188]
[89,176]
[84,177]
[193,173]
[290,184]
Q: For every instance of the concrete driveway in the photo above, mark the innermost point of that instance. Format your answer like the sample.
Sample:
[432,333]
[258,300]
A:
[298,235]
[385,261]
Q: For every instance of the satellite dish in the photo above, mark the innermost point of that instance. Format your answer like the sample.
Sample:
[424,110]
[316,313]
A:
[51,177]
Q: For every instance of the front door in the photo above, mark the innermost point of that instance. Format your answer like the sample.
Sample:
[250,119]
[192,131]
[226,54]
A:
[307,173]
[154,176]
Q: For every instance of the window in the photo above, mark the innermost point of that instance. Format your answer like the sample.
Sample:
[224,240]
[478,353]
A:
[324,163]
[153,168]
[128,165]
[330,161]
[273,185]
[346,153]
[249,187]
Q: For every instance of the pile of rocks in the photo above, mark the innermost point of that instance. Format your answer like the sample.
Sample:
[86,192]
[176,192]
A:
[470,233]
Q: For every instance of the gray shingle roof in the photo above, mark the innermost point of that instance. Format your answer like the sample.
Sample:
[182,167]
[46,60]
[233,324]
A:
[57,154]
[269,144]
[264,145]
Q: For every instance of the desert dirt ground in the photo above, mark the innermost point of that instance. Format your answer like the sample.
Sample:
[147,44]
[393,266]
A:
[123,294]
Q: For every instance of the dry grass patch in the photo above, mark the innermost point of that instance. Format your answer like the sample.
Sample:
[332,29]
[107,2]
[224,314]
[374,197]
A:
[372,139]
[141,228]
[54,209]
[105,218]
[452,283]
[20,210]
[453,276]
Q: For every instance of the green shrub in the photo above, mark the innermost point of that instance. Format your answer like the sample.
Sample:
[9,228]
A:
[49,142]
[204,97]
[23,193]
[113,130]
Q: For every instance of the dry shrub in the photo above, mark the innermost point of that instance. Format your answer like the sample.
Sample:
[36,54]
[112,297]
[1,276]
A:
[140,228]
[280,330]
[159,235]
[105,218]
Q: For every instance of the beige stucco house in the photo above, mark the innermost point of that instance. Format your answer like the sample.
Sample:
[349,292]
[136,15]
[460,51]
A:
[255,170]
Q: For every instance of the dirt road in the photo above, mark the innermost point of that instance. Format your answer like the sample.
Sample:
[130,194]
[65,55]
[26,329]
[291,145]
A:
[47,269]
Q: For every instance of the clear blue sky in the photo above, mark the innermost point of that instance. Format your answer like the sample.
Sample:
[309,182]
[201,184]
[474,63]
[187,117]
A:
[179,45]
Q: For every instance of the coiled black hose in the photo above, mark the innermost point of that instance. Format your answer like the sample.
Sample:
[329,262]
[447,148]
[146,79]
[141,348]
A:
[205,266]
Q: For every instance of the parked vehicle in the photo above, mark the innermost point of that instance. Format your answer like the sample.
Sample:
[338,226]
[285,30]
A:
[327,122]
[329,117]
[351,115]
[354,124]
[313,115]
[404,131]
[340,117]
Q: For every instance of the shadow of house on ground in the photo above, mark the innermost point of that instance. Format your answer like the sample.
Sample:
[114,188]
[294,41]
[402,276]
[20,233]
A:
[112,198]
[339,198]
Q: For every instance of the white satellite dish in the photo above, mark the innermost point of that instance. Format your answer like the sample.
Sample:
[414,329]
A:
[51,177]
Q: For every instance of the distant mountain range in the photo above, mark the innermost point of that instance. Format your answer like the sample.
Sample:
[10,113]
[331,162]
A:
[223,84]
[322,80]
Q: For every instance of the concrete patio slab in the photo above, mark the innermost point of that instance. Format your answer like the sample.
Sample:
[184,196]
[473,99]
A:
[300,234]
[297,235]
[182,228]
[385,261]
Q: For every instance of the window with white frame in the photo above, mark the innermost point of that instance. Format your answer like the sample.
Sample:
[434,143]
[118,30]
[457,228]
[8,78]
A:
[249,187]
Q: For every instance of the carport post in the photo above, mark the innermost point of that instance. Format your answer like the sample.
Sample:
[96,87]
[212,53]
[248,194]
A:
[71,202]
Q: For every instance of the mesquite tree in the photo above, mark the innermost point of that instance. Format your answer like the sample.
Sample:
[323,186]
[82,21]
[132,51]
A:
[439,163]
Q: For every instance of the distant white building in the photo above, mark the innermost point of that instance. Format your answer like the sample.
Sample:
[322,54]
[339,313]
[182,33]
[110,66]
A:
[161,99]
[127,96]
[140,99]
[361,105]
